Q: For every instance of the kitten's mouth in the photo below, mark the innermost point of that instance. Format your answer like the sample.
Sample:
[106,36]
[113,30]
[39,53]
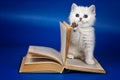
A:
[81,22]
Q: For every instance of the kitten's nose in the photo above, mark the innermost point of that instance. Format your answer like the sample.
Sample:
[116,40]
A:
[80,19]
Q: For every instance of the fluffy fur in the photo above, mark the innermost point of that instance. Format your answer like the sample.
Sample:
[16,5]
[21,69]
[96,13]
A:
[82,41]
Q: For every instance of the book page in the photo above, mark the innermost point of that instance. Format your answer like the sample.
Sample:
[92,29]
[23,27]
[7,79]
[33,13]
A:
[77,64]
[63,31]
[65,39]
[44,52]
[69,32]
[39,60]
[40,66]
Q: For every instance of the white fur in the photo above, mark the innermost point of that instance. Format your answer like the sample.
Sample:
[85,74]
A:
[83,38]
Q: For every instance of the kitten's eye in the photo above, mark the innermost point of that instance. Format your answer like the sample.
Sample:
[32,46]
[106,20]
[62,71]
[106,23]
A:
[85,16]
[77,15]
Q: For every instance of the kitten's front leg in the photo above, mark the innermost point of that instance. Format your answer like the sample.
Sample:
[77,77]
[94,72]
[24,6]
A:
[89,56]
[71,51]
[89,61]
[74,25]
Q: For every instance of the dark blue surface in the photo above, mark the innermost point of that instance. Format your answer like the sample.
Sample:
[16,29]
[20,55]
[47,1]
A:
[36,22]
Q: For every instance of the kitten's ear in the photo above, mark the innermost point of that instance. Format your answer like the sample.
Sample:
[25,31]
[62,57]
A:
[92,9]
[73,7]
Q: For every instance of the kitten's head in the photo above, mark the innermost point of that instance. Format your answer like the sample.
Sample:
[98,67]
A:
[83,16]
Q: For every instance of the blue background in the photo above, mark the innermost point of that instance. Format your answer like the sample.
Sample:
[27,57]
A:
[36,22]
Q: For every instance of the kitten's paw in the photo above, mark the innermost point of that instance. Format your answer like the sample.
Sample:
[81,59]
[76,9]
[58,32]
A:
[70,56]
[90,61]
[74,25]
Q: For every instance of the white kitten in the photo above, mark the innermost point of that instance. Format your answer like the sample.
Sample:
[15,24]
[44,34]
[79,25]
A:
[82,40]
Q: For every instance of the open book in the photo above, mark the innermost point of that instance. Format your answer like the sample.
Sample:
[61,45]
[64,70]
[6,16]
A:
[46,59]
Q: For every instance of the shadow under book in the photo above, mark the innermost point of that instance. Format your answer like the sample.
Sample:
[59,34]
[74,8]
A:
[41,59]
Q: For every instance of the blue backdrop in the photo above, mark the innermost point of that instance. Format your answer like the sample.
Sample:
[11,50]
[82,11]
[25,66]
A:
[36,22]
